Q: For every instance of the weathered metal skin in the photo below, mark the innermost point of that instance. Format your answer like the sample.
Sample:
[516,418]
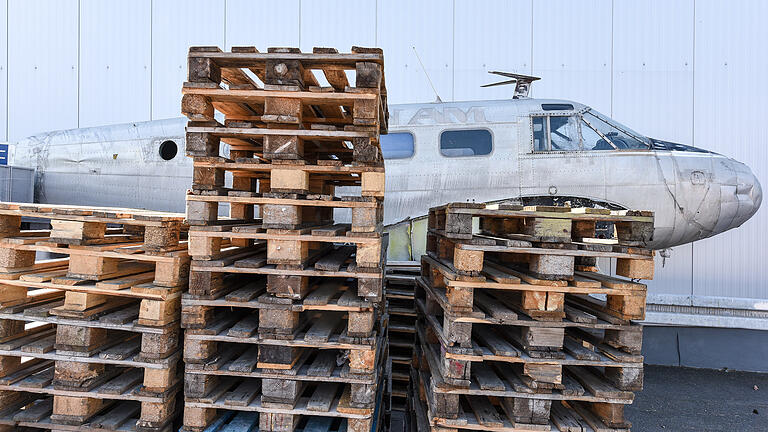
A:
[694,194]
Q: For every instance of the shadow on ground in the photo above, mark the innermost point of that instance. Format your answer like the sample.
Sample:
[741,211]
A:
[683,399]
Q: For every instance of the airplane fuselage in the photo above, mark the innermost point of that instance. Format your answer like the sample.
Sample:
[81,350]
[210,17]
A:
[529,150]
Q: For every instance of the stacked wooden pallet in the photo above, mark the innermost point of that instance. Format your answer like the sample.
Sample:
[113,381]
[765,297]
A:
[400,281]
[511,333]
[90,341]
[283,321]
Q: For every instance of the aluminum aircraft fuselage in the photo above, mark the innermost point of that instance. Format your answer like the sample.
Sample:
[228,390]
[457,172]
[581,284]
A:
[694,194]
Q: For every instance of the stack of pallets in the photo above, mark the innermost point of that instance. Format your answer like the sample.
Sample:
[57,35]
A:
[90,341]
[400,281]
[284,324]
[517,330]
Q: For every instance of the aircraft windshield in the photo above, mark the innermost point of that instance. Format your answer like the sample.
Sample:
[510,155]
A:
[602,133]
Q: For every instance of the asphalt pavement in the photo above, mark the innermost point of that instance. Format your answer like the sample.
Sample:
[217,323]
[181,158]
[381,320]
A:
[684,399]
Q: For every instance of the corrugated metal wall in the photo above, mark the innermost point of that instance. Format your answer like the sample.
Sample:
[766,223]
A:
[687,71]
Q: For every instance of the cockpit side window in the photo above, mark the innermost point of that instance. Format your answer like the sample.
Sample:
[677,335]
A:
[555,133]
[599,134]
[540,134]
[563,133]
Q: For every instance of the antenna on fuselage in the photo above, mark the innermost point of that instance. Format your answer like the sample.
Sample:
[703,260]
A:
[437,96]
[522,83]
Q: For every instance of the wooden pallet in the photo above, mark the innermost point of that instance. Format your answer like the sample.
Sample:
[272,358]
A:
[39,376]
[543,223]
[495,311]
[92,262]
[212,279]
[314,401]
[537,298]
[478,412]
[290,177]
[461,369]
[245,421]
[321,247]
[235,392]
[237,360]
[158,339]
[546,261]
[208,345]
[39,411]
[281,317]
[80,225]
[285,211]
[542,371]
[157,306]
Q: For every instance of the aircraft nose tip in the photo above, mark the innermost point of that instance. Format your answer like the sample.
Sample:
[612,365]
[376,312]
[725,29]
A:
[756,193]
[750,194]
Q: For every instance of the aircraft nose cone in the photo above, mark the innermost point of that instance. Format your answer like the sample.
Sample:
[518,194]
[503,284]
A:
[750,195]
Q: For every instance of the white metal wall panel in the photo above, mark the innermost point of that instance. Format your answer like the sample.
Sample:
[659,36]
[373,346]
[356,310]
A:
[572,51]
[729,114]
[428,26]
[653,67]
[43,66]
[338,24]
[673,275]
[4,71]
[488,36]
[262,23]
[202,23]
[653,94]
[115,62]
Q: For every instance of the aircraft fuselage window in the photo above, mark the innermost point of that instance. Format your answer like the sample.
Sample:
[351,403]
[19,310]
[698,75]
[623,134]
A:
[398,145]
[601,133]
[556,133]
[466,142]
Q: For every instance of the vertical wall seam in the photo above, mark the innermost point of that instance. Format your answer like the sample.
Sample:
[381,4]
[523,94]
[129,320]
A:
[8,73]
[299,24]
[376,23]
[151,59]
[613,17]
[693,130]
[531,65]
[79,23]
[453,52]
[693,80]
[225,26]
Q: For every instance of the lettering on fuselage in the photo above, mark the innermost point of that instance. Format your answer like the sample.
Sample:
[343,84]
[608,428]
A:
[441,115]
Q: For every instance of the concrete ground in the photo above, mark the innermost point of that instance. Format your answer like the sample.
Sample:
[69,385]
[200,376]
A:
[683,399]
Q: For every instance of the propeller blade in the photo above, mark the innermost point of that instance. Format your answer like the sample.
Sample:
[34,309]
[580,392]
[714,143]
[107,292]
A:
[512,81]
[520,77]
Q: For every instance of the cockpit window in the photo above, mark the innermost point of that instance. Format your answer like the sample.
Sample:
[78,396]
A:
[397,145]
[540,134]
[601,133]
[467,142]
[556,133]
[563,133]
